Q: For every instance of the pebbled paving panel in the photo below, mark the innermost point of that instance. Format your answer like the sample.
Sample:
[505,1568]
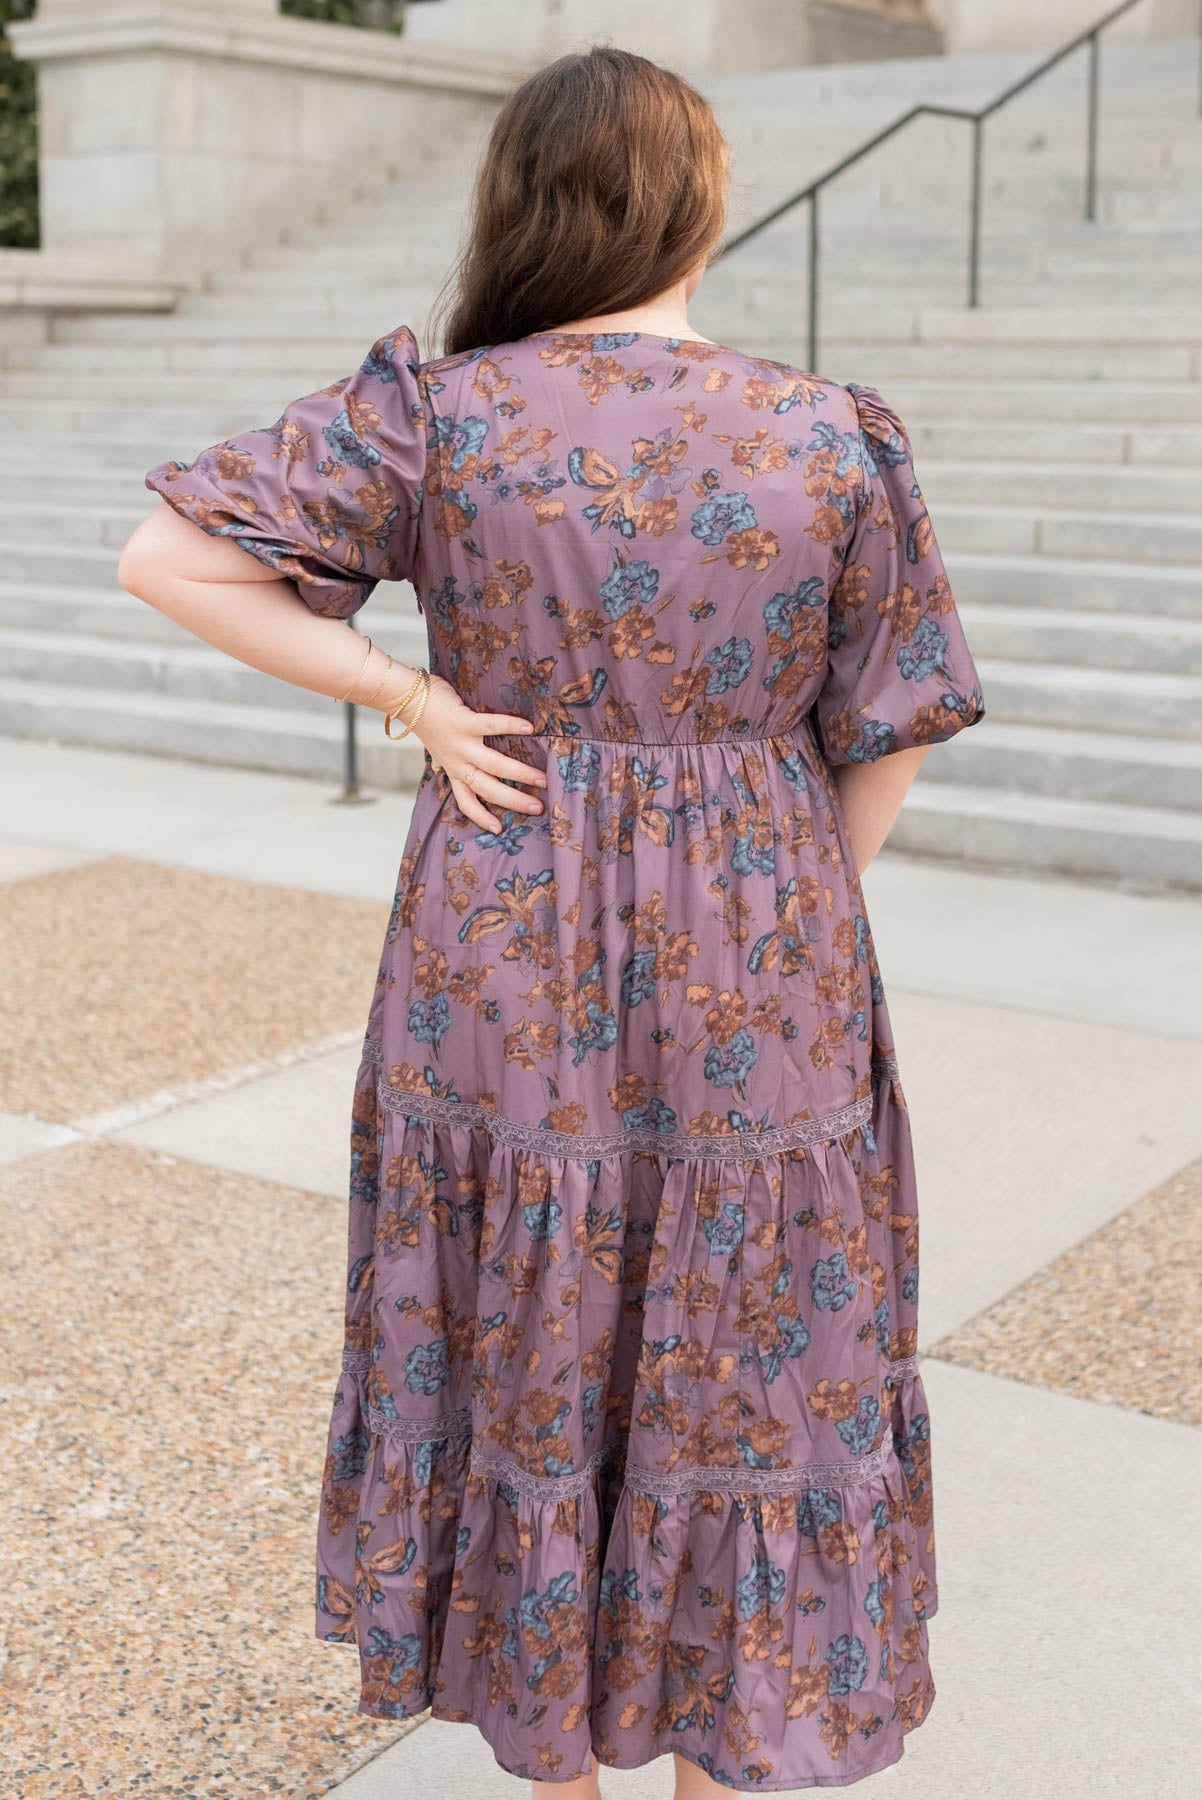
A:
[1116,1319]
[169,1335]
[124,978]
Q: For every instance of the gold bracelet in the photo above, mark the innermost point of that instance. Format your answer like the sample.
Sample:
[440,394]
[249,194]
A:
[395,709]
[424,679]
[338,699]
[421,705]
[380,683]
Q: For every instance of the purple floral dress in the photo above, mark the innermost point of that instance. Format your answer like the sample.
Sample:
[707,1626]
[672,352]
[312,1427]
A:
[630,1449]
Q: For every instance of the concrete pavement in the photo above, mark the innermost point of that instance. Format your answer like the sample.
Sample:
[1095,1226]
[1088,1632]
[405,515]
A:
[1050,1041]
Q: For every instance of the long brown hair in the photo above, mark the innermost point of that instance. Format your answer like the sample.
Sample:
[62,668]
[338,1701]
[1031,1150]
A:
[604,182]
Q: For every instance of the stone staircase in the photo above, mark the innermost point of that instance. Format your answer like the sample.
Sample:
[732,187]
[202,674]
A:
[1057,432]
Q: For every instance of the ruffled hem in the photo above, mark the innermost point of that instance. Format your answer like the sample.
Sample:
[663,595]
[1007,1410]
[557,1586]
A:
[564,1494]
[684,1621]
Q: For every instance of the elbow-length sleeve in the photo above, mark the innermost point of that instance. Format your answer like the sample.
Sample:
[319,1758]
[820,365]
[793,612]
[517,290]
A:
[330,494]
[899,672]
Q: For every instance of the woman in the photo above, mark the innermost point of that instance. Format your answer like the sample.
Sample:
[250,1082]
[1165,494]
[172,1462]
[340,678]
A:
[630,1454]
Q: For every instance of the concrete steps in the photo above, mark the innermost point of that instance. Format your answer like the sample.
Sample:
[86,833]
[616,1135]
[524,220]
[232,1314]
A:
[1054,532]
[1061,487]
[1057,432]
[1144,847]
[293,740]
[139,666]
[1120,641]
[1117,587]
[1110,767]
[1132,700]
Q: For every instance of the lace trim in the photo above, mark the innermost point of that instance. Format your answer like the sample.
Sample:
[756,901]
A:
[726,1480]
[761,1481]
[733,1479]
[420,1431]
[546,1487]
[734,1144]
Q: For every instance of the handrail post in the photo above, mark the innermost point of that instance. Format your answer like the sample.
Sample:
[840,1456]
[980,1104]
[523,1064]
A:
[350,767]
[813,318]
[974,227]
[352,794]
[1089,38]
[1091,163]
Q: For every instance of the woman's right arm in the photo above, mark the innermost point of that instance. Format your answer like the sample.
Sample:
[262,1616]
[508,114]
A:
[871,794]
[228,598]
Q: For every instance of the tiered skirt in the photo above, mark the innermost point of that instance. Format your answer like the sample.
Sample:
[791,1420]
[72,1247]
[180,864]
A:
[630,1451]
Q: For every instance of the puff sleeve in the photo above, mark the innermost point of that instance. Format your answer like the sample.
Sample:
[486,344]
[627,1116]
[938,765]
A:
[330,494]
[899,672]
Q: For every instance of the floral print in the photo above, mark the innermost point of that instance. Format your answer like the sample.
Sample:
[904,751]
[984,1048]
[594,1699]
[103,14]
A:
[630,1450]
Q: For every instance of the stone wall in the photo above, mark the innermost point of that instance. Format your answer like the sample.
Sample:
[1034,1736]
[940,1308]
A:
[707,35]
[176,133]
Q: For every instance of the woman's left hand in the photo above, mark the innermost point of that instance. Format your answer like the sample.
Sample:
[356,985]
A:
[454,734]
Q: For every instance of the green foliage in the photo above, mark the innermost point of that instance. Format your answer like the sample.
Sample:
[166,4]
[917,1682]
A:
[18,140]
[18,105]
[378,14]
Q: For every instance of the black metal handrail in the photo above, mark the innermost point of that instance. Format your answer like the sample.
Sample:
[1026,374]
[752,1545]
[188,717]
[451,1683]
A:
[1091,36]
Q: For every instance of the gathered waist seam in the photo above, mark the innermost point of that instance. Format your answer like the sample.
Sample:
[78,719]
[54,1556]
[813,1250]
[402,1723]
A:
[641,743]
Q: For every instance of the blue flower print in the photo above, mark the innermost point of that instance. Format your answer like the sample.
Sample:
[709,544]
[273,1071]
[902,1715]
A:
[600,1032]
[638,978]
[716,518]
[729,665]
[845,445]
[403,1653]
[590,1407]
[430,1020]
[464,437]
[630,584]
[379,360]
[728,1064]
[792,1337]
[339,434]
[784,615]
[874,1601]
[536,1605]
[656,1115]
[427,1367]
[618,1585]
[579,768]
[543,1219]
[705,1761]
[724,1234]
[918,660]
[848,1661]
[509,838]
[875,740]
[350,1453]
[859,1432]
[832,1284]
[443,603]
[793,769]
[763,1585]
